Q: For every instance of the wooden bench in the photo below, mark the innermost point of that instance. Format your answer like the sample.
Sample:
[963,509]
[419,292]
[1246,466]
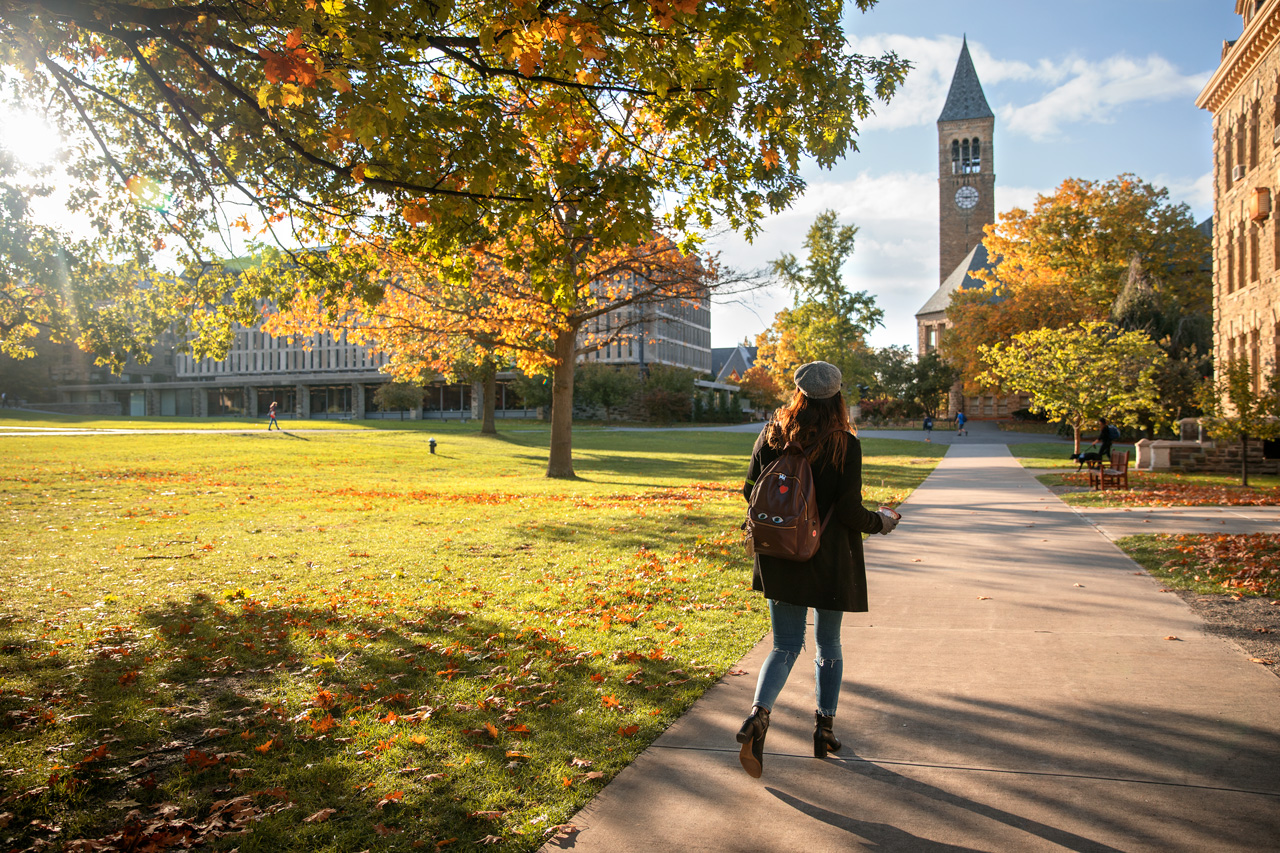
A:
[1115,474]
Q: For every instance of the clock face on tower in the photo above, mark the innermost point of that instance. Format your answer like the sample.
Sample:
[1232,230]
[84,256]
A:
[966,198]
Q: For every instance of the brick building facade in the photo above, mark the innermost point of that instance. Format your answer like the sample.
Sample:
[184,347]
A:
[1244,97]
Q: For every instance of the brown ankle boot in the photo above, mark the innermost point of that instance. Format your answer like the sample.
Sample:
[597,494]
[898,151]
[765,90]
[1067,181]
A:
[751,736]
[823,739]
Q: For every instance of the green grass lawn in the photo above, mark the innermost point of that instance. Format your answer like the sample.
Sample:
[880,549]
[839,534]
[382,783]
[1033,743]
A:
[234,632]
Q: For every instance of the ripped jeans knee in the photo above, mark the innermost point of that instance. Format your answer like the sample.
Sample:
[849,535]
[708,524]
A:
[789,629]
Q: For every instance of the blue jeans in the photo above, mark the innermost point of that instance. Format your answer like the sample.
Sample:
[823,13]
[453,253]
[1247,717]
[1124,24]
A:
[788,641]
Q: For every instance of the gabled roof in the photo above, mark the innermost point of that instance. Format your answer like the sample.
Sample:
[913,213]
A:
[961,277]
[965,99]
[725,361]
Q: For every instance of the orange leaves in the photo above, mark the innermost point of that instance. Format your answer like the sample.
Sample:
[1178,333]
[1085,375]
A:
[1243,564]
[393,798]
[295,64]
[417,212]
[128,678]
[324,725]
[610,701]
[264,747]
[628,731]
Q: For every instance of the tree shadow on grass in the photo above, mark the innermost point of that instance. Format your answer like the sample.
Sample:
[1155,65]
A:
[303,706]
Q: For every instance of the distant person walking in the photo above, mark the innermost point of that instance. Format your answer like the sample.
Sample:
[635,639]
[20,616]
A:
[271,416]
[928,428]
[832,582]
[4,400]
[960,421]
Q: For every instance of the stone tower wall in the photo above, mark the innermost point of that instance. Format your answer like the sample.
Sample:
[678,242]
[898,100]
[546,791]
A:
[961,230]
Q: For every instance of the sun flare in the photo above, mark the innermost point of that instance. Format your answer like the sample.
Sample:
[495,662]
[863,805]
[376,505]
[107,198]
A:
[31,140]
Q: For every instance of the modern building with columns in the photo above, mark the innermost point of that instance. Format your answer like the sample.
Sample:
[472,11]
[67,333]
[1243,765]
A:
[330,378]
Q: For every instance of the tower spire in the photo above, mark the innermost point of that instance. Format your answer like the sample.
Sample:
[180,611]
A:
[965,100]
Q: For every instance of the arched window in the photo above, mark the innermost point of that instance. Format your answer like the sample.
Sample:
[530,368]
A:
[955,156]
[964,157]
[977,156]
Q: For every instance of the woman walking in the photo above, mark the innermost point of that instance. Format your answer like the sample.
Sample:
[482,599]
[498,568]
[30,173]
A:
[833,581]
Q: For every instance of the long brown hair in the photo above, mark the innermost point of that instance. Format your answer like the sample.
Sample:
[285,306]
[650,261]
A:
[804,419]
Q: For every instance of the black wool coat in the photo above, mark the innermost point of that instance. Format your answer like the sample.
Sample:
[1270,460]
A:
[835,578]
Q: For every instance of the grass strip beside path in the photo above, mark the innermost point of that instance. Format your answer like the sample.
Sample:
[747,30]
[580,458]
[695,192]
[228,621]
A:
[339,641]
[1242,564]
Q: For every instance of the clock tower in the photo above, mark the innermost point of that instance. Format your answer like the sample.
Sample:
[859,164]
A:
[966,178]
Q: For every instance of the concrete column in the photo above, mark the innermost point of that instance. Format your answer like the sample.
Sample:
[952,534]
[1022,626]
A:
[200,402]
[357,399]
[477,400]
[153,402]
[250,401]
[304,401]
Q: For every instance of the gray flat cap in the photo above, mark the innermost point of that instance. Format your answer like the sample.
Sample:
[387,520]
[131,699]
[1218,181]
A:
[818,380]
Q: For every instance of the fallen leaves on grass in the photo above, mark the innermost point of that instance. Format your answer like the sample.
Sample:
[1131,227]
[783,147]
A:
[1160,490]
[1242,563]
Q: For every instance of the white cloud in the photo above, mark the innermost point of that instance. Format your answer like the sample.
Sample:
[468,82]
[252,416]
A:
[895,257]
[1072,90]
[1098,92]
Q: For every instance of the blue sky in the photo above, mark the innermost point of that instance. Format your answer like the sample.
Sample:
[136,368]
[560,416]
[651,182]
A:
[1085,89]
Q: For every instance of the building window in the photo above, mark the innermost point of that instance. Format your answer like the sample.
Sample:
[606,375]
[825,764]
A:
[1231,261]
[1242,248]
[955,156]
[1253,253]
[931,338]
[1228,151]
[1255,120]
[1275,110]
[977,156]
[1241,139]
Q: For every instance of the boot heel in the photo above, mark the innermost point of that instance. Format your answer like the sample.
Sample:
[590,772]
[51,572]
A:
[751,736]
[824,739]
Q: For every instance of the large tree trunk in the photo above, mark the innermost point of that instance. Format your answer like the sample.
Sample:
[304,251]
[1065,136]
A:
[560,461]
[1075,432]
[487,426]
[1244,459]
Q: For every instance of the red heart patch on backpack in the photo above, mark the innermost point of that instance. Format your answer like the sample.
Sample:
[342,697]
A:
[782,490]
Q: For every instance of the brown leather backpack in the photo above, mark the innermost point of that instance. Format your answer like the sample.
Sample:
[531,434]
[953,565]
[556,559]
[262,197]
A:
[782,513]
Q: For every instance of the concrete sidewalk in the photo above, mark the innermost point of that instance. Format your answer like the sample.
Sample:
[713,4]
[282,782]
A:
[1019,685]
[1115,523]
